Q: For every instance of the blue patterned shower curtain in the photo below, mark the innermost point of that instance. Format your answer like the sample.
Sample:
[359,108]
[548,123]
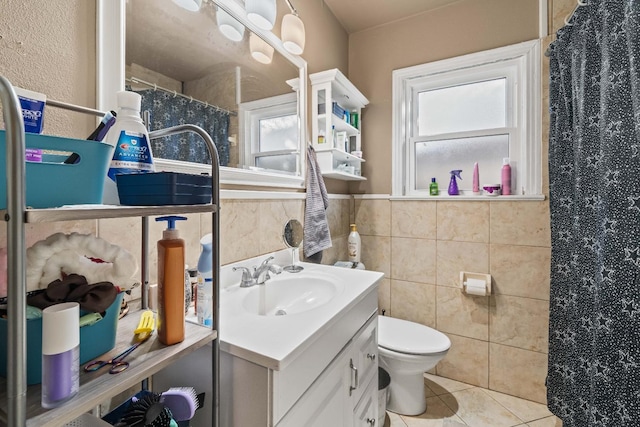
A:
[594,178]
[169,110]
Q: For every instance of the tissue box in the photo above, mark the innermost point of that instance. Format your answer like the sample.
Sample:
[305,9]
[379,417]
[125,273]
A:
[50,182]
[95,340]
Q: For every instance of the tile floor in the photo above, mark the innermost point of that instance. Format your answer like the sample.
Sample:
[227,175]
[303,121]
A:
[453,404]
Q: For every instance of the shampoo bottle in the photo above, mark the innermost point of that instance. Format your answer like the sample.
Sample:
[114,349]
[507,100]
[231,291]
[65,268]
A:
[453,184]
[204,308]
[171,256]
[476,179]
[354,244]
[506,177]
[433,188]
[130,141]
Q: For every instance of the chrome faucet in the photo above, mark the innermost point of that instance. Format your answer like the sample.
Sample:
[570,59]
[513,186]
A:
[260,274]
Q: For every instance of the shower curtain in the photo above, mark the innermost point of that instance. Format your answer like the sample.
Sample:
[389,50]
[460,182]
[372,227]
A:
[594,181]
[169,110]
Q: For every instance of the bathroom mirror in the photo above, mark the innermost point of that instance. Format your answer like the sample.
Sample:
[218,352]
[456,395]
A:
[292,236]
[180,60]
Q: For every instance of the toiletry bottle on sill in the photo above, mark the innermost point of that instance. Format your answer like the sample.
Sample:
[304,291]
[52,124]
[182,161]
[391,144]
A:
[433,188]
[506,177]
[204,310]
[171,255]
[354,244]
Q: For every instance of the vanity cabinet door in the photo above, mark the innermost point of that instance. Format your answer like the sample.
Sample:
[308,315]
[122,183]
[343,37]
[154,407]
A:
[326,402]
[366,413]
[365,356]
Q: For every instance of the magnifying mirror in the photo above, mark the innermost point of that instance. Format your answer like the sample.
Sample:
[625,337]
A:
[292,237]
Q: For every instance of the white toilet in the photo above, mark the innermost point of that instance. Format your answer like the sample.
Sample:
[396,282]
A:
[406,351]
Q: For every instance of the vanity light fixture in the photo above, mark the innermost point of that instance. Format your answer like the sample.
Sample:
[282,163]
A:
[190,5]
[261,51]
[229,26]
[262,13]
[292,32]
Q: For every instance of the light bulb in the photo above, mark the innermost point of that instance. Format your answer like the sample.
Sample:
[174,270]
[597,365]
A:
[190,5]
[261,12]
[229,26]
[261,51]
[293,35]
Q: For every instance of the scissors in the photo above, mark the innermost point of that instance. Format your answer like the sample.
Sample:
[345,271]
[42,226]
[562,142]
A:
[118,364]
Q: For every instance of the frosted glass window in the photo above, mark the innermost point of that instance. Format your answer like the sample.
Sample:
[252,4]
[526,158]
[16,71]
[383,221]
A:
[435,159]
[279,133]
[466,107]
[283,163]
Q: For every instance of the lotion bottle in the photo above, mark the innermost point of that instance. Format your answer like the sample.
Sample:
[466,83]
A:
[354,244]
[130,141]
[171,255]
[506,177]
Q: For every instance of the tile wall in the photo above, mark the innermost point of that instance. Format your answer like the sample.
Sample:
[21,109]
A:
[498,342]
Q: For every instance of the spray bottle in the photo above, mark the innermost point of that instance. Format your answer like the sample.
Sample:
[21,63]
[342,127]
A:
[171,256]
[453,184]
[205,282]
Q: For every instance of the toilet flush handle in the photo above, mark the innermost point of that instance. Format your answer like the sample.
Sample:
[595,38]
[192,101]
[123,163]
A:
[371,356]
[371,421]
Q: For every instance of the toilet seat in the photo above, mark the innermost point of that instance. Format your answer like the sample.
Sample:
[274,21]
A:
[407,337]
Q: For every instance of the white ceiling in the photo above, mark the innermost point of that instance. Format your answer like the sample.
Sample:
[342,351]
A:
[358,15]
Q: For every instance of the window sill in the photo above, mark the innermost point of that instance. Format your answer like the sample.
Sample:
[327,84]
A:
[478,198]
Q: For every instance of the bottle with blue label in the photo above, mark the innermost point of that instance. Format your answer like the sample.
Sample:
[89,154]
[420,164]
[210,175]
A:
[204,309]
[130,139]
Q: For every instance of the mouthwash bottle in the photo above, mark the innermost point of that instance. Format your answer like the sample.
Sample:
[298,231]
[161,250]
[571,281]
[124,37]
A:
[433,188]
[130,141]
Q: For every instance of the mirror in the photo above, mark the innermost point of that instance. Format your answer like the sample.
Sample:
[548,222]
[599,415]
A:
[292,236]
[187,71]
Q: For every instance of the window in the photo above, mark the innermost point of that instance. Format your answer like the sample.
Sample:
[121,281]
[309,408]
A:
[481,107]
[269,128]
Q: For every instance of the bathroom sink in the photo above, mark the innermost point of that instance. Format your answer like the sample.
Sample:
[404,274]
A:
[291,294]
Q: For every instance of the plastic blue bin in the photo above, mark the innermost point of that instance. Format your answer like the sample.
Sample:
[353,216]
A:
[163,188]
[53,183]
[95,340]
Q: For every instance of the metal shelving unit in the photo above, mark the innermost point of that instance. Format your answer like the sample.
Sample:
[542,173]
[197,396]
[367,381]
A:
[19,404]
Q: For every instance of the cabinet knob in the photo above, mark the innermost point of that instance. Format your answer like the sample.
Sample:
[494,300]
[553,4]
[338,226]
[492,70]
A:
[371,356]
[371,421]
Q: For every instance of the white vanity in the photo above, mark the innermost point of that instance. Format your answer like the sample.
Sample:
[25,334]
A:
[316,365]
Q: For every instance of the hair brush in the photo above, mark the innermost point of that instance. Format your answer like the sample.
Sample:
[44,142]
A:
[147,411]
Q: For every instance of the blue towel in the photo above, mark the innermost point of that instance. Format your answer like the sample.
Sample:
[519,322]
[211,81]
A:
[316,226]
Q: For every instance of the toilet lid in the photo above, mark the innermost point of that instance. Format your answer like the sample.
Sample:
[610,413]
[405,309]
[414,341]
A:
[410,337]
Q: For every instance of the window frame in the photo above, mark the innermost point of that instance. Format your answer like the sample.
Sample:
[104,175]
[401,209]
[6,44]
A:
[522,62]
[249,116]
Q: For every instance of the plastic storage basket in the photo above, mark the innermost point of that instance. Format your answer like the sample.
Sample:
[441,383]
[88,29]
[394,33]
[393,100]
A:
[52,182]
[95,340]
[163,188]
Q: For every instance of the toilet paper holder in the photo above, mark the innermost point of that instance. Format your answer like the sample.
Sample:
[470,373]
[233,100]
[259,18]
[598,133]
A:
[476,278]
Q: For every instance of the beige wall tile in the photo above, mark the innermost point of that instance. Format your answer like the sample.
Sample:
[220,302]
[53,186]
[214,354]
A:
[413,260]
[338,216]
[466,361]
[239,235]
[463,221]
[462,314]
[376,253]
[519,322]
[414,301]
[413,219]
[337,251]
[520,270]
[518,372]
[273,215]
[454,257]
[521,223]
[384,296]
[373,217]
[127,233]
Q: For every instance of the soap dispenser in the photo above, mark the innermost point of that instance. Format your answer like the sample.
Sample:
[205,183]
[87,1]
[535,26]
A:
[453,184]
[171,255]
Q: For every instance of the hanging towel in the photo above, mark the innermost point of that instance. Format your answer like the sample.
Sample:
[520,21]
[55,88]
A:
[316,227]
